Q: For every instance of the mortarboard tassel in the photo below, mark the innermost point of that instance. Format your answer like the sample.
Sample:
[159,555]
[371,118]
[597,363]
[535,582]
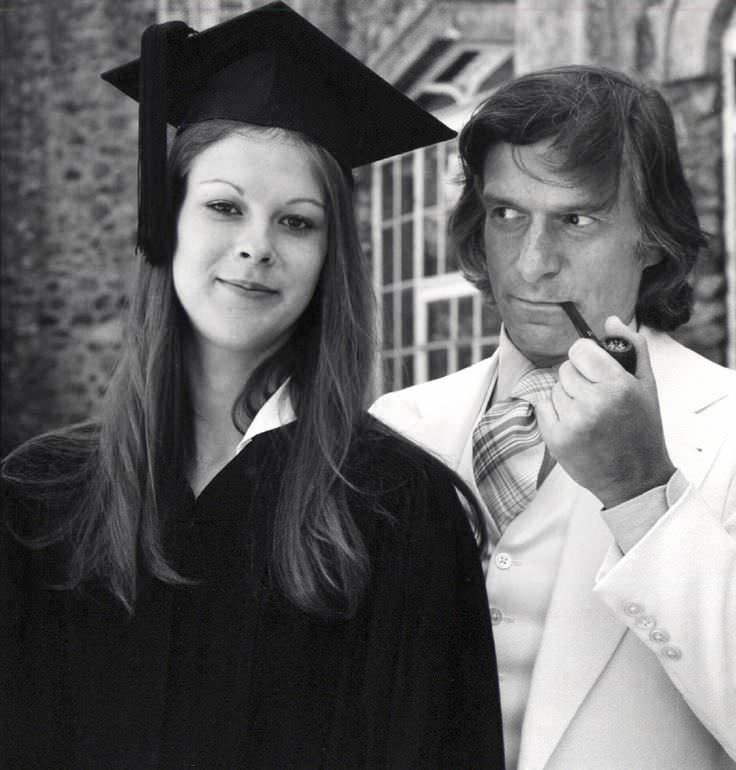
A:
[153,199]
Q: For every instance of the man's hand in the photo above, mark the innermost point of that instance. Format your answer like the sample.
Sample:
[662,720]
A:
[603,425]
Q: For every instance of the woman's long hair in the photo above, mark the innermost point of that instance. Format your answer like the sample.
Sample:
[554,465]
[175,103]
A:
[318,556]
[124,470]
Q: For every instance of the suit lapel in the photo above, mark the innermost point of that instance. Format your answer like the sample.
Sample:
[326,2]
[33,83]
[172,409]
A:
[580,635]
[693,400]
[445,411]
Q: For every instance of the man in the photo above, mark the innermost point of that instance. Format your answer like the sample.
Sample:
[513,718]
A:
[611,572]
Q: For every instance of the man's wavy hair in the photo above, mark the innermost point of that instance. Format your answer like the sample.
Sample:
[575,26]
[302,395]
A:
[602,125]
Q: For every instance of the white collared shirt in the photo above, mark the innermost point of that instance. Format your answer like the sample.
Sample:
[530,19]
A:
[275,413]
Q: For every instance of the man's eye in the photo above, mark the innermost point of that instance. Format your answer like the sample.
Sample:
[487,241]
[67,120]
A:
[505,213]
[579,220]
[223,207]
[297,223]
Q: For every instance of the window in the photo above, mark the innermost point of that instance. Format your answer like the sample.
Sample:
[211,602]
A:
[729,164]
[432,320]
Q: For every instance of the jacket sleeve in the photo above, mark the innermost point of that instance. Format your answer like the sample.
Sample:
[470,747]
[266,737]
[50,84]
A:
[676,590]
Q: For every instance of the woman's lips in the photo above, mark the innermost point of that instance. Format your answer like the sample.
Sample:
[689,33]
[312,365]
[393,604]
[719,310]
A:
[249,286]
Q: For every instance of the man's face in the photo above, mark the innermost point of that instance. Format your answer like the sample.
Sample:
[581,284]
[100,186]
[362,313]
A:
[548,240]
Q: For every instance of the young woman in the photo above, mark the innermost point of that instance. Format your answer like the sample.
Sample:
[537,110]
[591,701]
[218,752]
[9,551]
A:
[234,566]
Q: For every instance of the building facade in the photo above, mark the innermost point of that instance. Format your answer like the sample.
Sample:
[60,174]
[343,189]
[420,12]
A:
[69,170]
[453,54]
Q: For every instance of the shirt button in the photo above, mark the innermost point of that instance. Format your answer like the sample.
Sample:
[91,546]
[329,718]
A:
[496,616]
[671,652]
[646,621]
[503,560]
[632,608]
[658,635]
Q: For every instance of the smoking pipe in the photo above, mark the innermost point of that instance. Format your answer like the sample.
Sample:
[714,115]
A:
[622,350]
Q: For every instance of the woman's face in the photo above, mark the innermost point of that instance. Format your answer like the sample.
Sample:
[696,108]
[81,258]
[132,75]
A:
[251,242]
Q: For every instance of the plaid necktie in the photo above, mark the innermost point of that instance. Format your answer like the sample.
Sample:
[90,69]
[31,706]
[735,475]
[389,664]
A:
[506,479]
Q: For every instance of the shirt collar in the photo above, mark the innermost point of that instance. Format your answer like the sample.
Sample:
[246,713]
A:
[275,413]
[512,366]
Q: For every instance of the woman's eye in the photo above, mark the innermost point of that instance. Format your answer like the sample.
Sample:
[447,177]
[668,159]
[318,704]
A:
[297,223]
[579,220]
[223,207]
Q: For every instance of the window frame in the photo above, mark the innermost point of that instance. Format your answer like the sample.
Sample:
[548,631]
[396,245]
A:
[450,286]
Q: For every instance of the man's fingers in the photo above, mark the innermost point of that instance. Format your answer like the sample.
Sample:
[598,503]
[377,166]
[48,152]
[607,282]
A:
[562,403]
[575,384]
[546,416]
[591,361]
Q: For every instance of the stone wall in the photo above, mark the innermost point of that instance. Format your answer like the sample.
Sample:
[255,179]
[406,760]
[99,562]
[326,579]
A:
[68,206]
[696,106]
[370,27]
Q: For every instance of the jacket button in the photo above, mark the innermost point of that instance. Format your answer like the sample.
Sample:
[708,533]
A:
[646,621]
[671,652]
[632,608]
[659,635]
[503,560]
[496,616]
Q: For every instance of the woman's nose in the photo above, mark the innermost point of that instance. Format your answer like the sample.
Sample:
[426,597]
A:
[263,258]
[255,243]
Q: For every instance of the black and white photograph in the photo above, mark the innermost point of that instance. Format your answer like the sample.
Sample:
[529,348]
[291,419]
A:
[368,384]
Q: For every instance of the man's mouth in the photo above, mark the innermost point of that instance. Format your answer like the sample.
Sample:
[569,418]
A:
[546,302]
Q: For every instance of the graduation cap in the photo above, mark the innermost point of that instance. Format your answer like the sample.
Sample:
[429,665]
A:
[268,67]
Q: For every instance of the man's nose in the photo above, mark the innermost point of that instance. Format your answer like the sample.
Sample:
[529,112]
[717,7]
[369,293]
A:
[539,255]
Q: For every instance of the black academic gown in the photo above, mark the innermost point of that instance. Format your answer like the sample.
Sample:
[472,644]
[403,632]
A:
[225,673]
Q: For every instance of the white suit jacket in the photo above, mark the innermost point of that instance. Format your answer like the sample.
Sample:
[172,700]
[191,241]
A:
[603,695]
